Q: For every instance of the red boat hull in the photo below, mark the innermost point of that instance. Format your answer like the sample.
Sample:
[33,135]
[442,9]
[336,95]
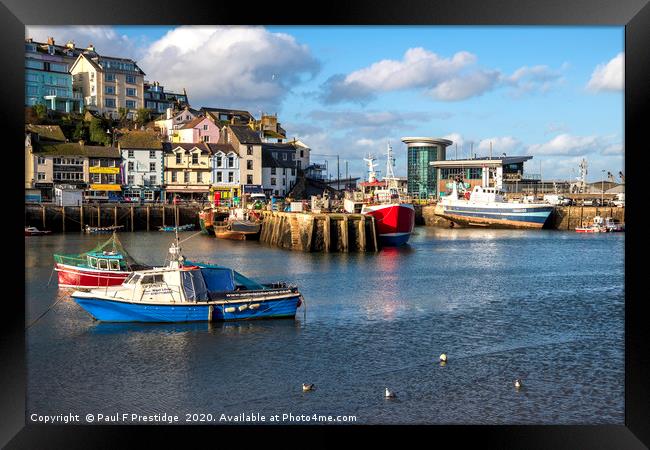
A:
[82,278]
[394,222]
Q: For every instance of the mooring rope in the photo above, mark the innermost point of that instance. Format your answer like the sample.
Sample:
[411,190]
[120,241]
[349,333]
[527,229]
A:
[61,296]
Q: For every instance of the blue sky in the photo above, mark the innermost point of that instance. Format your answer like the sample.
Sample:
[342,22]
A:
[552,92]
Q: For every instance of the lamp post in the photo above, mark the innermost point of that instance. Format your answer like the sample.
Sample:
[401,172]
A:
[602,188]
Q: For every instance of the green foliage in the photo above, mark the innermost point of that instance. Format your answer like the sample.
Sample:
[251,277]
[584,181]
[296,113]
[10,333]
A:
[80,132]
[143,116]
[98,133]
[40,111]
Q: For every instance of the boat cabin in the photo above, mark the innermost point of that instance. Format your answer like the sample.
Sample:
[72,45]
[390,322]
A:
[482,194]
[112,261]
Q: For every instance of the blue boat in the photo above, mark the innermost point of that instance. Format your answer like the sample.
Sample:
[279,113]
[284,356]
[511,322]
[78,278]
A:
[185,291]
[188,227]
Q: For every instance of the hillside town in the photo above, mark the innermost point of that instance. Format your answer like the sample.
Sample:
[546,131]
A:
[94,124]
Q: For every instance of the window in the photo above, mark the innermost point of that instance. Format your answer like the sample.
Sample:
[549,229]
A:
[131,154]
[31,64]
[41,176]
[109,77]
[110,178]
[249,150]
[178,158]
[152,167]
[130,79]
[130,104]
[130,179]
[275,154]
[218,161]
[186,177]
[206,138]
[205,127]
[152,179]
[93,262]
[293,171]
[174,176]
[249,179]
[102,264]
[130,92]
[302,153]
[115,264]
[249,164]
[41,160]
[231,177]
[131,165]
[272,170]
[109,90]
[109,102]
[152,154]
[231,161]
[219,177]
[195,158]
[95,178]
[148,195]
[284,171]
[283,182]
[272,181]
[284,156]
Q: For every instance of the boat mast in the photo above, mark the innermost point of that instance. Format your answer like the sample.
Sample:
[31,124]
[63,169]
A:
[390,163]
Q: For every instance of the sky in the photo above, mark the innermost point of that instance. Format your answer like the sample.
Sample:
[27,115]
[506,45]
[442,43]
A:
[554,93]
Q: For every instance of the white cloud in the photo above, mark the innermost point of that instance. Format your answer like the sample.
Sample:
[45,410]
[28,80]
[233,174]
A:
[539,78]
[609,76]
[106,40]
[567,144]
[504,144]
[465,86]
[230,66]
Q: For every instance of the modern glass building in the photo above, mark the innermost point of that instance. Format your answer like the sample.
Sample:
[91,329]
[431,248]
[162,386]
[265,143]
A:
[421,176]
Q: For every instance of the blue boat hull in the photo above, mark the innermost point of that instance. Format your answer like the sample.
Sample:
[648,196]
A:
[516,217]
[394,240]
[118,311]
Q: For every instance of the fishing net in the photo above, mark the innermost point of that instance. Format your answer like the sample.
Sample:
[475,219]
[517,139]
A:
[111,245]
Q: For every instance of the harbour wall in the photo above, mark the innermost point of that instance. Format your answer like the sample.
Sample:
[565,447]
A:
[132,217]
[310,232]
[562,217]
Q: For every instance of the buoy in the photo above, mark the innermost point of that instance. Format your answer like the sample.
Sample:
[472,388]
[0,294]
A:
[443,358]
[307,387]
[518,383]
[389,394]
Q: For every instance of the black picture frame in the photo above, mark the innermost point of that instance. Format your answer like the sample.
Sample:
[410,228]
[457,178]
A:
[633,14]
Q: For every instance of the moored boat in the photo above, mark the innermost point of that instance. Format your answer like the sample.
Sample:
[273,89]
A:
[108,264]
[189,292]
[238,230]
[487,207]
[110,229]
[33,231]
[601,225]
[188,227]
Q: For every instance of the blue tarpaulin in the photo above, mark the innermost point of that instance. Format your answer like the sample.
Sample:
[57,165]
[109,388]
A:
[194,285]
[218,280]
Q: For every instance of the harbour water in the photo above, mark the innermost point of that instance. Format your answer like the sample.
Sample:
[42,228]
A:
[543,306]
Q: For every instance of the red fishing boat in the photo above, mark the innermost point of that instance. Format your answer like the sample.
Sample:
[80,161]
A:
[108,264]
[394,215]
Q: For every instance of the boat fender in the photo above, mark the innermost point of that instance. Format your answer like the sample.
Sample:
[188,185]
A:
[299,302]
[254,306]
[230,309]
[242,307]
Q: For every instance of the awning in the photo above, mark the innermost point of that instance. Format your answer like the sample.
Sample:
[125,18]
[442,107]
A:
[105,187]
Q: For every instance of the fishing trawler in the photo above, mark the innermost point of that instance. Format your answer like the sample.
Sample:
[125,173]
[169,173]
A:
[184,291]
[394,215]
[487,207]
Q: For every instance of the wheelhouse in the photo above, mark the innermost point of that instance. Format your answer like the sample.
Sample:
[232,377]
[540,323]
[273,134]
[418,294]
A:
[111,261]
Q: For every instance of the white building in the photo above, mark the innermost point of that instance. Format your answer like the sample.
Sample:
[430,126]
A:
[225,173]
[173,120]
[278,168]
[142,166]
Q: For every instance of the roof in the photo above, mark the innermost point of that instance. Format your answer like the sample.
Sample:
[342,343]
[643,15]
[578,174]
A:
[245,135]
[481,162]
[170,147]
[269,161]
[76,149]
[240,112]
[47,132]
[192,123]
[140,139]
[225,148]
[279,146]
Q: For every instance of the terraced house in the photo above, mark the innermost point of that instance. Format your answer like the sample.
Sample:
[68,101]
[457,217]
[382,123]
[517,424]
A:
[225,174]
[247,143]
[188,171]
[108,83]
[142,166]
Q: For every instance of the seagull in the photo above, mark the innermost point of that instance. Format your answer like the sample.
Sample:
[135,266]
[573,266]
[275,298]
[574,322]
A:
[443,358]
[518,384]
[308,387]
[389,394]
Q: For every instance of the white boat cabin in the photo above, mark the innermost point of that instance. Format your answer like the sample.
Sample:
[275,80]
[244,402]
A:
[487,195]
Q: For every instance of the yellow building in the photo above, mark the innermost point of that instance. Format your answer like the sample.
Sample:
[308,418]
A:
[108,83]
[188,171]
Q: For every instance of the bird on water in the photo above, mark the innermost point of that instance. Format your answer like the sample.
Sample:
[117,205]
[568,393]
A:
[389,394]
[308,387]
[443,358]
[518,384]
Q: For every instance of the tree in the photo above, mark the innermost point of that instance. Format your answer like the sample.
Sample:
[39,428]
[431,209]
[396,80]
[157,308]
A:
[143,116]
[123,113]
[40,110]
[97,132]
[80,132]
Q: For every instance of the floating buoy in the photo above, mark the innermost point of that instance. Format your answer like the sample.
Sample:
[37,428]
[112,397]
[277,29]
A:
[443,358]
[308,387]
[389,394]
[518,384]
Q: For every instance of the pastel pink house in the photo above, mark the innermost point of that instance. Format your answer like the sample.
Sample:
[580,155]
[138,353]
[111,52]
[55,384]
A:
[201,129]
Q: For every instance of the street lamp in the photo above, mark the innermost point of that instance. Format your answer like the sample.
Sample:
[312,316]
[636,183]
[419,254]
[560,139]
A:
[602,188]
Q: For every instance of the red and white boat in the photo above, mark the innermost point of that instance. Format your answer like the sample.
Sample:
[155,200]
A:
[95,268]
[394,216]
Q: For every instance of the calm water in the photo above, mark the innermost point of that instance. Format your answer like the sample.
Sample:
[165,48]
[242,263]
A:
[543,306]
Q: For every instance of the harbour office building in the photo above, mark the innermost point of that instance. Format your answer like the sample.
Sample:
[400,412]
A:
[421,176]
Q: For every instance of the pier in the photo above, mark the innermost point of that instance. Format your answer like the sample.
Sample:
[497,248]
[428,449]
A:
[325,232]
[562,217]
[131,217]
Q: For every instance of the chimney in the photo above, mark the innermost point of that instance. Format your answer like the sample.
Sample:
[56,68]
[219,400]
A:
[169,113]
[50,41]
[70,45]
[90,48]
